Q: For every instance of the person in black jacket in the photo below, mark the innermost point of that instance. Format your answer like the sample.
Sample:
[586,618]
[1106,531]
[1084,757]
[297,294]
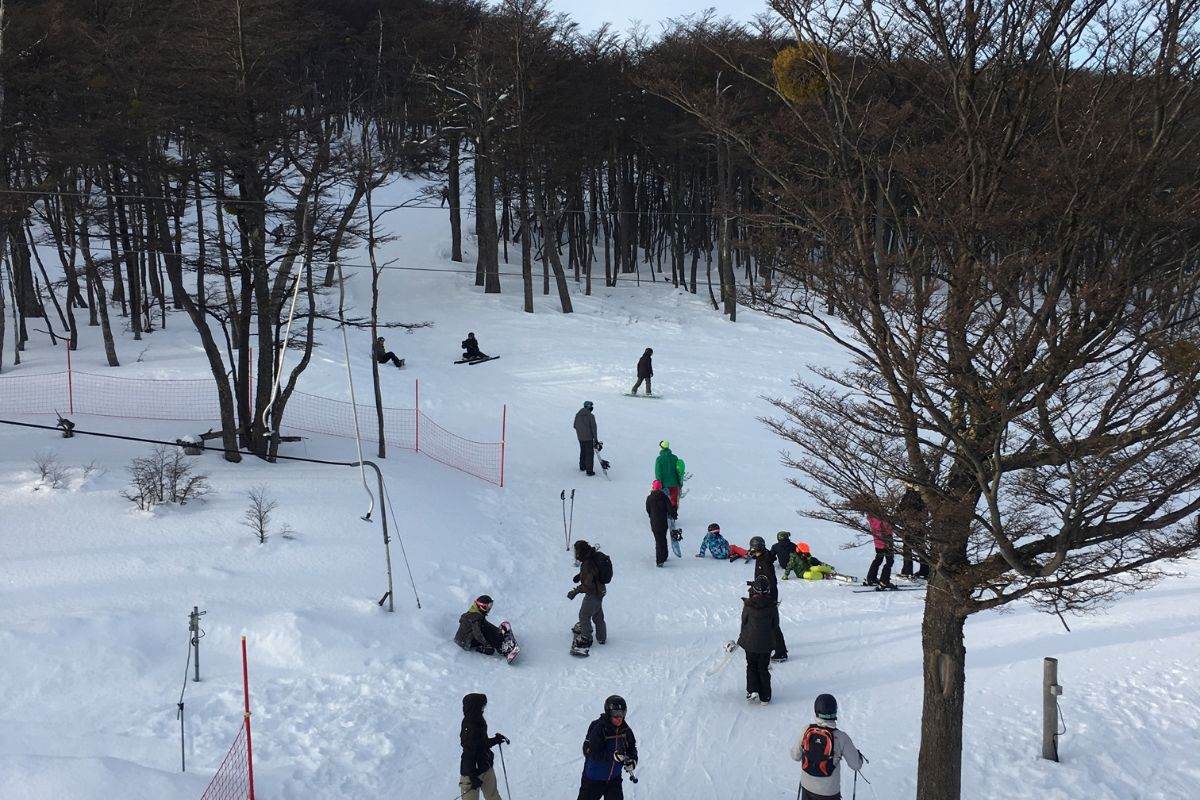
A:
[645,371]
[760,620]
[783,548]
[470,346]
[383,355]
[586,433]
[591,586]
[475,767]
[609,748]
[764,567]
[475,632]
[660,511]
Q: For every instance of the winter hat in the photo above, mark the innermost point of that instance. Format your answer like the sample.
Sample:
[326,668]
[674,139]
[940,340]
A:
[714,528]
[587,404]
[783,535]
[473,704]
[657,485]
[664,444]
[825,706]
[802,547]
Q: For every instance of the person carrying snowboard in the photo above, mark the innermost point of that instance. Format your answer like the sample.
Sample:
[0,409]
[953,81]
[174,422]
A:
[476,633]
[803,564]
[608,749]
[821,749]
[714,543]
[783,548]
[881,534]
[475,767]
[668,468]
[383,355]
[585,432]
[471,351]
[760,619]
[658,508]
[645,371]
[764,567]
[595,571]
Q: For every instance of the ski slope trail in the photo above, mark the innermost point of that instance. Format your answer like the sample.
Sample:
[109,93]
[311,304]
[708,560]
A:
[352,702]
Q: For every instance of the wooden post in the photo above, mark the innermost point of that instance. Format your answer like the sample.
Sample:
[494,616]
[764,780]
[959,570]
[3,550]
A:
[246,696]
[1050,694]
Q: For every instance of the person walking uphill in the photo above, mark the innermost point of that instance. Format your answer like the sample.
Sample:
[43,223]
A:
[608,748]
[595,571]
[760,619]
[585,431]
[669,469]
[820,750]
[645,371]
[475,768]
[658,508]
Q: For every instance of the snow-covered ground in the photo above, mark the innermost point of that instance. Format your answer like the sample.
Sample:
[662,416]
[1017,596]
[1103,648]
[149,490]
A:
[352,702]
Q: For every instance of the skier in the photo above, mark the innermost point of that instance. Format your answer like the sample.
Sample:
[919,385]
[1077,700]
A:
[585,431]
[714,543]
[475,768]
[668,468]
[803,564]
[881,533]
[595,570]
[383,355]
[783,548]
[645,371]
[760,619]
[820,749]
[912,512]
[470,346]
[476,633]
[658,508]
[609,748]
[764,567]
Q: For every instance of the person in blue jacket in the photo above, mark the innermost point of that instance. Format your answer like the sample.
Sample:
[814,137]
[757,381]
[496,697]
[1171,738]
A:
[609,749]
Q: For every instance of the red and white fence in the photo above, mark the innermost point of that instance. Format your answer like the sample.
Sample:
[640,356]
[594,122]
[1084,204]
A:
[234,779]
[195,399]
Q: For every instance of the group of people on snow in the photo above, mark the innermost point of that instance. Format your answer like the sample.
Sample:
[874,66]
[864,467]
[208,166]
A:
[470,346]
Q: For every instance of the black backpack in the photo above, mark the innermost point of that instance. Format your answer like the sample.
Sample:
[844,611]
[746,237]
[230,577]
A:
[604,567]
[817,746]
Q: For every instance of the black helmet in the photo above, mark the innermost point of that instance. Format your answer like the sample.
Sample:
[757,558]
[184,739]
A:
[714,528]
[826,706]
[783,535]
[615,703]
[760,585]
[757,544]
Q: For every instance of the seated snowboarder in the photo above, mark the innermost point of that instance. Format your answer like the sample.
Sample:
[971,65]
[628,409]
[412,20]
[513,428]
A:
[471,351]
[383,355]
[645,371]
[783,548]
[736,552]
[803,564]
[476,633]
[714,543]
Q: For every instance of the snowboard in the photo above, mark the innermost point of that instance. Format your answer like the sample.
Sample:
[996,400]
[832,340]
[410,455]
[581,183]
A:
[647,396]
[720,665]
[578,648]
[676,538]
[508,646]
[837,576]
[476,360]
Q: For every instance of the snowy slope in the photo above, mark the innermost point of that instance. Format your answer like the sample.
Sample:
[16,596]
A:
[351,702]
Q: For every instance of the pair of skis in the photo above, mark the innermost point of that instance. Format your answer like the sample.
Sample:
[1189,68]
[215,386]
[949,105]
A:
[476,360]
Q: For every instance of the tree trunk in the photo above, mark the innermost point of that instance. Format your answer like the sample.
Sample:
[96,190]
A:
[454,190]
[487,265]
[939,764]
[94,277]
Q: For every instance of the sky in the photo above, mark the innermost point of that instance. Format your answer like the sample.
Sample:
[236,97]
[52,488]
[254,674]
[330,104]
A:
[590,14]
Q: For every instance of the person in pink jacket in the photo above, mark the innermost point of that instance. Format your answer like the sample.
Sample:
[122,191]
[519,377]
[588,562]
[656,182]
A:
[881,532]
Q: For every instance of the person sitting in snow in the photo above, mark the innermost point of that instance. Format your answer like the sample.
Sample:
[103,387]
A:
[803,564]
[475,632]
[714,543]
[783,548]
[736,552]
[383,355]
[471,351]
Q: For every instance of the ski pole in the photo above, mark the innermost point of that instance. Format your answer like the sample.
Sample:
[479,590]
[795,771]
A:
[571,530]
[563,496]
[854,796]
[504,769]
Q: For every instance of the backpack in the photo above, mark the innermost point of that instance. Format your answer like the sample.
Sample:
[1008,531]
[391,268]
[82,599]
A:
[817,746]
[604,567]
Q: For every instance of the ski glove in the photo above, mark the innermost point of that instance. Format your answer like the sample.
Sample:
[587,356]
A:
[571,594]
[500,738]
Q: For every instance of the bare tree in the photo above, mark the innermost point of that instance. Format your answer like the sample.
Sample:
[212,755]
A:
[165,476]
[257,516]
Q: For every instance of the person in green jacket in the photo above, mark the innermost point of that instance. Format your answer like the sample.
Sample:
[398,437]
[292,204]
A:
[669,469]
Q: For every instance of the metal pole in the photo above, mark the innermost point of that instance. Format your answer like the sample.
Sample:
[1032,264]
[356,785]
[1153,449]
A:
[70,383]
[417,413]
[1051,691]
[503,437]
[387,541]
[195,626]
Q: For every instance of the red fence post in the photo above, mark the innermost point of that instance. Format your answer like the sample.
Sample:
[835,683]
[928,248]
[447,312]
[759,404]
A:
[503,432]
[70,384]
[417,410]
[246,696]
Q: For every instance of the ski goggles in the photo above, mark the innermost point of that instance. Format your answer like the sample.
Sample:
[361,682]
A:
[617,718]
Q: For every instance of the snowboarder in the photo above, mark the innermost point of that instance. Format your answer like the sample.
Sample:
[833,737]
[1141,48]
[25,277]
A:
[783,548]
[608,749]
[595,571]
[585,432]
[476,633]
[760,619]
[764,567]
[881,533]
[658,508]
[668,468]
[383,355]
[714,543]
[820,749]
[475,768]
[912,512]
[645,371]
[471,351]
[736,552]
[803,564]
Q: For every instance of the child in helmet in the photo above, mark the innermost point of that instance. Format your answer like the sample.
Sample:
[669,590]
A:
[803,564]
[609,748]
[820,750]
[760,619]
[714,543]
